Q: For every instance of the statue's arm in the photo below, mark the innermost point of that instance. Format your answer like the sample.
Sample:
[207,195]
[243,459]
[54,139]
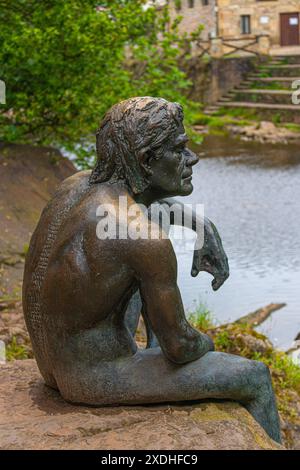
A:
[209,254]
[155,265]
[191,219]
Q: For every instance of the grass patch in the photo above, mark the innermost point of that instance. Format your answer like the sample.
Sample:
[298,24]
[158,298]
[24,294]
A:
[238,113]
[201,318]
[292,127]
[194,136]
[16,351]
[286,382]
[219,122]
[25,250]
[265,74]
[223,340]
[284,61]
[276,118]
[201,119]
[287,373]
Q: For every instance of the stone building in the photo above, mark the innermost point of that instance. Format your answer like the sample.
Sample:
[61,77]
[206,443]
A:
[279,19]
[195,13]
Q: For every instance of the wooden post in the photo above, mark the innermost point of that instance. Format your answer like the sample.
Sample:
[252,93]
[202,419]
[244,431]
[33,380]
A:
[264,44]
[216,48]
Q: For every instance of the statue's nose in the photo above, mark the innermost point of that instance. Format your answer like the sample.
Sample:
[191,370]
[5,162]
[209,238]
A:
[192,159]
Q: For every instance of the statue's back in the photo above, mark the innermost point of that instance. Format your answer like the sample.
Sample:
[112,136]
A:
[37,260]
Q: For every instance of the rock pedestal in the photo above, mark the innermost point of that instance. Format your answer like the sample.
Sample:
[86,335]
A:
[33,416]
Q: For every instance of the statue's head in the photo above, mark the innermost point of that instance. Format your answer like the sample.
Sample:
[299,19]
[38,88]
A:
[142,142]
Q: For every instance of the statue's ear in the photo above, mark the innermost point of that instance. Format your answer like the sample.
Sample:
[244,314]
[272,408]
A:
[145,156]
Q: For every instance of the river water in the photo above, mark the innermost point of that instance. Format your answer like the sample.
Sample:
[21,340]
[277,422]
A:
[252,193]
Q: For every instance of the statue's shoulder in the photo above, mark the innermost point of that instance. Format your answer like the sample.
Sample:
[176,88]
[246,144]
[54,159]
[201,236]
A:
[58,210]
[76,183]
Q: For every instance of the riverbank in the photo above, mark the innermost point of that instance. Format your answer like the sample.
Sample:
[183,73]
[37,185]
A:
[263,132]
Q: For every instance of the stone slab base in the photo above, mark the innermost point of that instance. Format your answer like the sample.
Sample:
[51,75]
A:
[33,416]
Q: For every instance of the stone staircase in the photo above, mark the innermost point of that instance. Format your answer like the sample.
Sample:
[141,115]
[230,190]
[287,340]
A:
[266,91]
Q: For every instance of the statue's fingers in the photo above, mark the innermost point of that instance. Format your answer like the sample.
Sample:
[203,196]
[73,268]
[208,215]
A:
[196,262]
[194,271]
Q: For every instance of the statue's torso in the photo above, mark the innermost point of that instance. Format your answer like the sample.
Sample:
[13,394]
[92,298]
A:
[76,287]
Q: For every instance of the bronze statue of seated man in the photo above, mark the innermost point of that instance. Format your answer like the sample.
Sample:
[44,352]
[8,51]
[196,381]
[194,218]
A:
[78,286]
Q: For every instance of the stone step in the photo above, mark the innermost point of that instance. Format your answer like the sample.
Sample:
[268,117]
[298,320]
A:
[282,71]
[210,111]
[257,77]
[240,88]
[246,82]
[282,97]
[226,98]
[261,97]
[294,59]
[275,65]
[280,66]
[283,56]
[246,104]
[266,91]
[276,62]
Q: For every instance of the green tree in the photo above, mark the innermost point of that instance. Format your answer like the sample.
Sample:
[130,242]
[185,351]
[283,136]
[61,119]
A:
[66,62]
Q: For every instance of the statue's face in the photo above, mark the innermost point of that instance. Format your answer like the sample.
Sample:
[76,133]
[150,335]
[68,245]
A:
[172,173]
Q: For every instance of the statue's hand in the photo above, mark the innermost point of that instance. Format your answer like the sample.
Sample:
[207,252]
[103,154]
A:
[211,257]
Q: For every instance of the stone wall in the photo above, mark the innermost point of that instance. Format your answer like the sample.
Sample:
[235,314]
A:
[230,12]
[195,16]
[228,73]
[215,78]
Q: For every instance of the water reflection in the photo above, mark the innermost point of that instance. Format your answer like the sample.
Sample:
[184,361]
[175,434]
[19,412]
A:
[252,192]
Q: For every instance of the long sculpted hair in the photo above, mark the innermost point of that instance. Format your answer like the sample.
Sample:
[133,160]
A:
[130,133]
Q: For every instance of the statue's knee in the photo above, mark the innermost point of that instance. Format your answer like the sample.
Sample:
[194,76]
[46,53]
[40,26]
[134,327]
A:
[254,379]
[262,370]
[261,376]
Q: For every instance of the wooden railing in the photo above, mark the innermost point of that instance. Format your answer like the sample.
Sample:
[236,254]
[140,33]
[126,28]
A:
[226,46]
[241,44]
[203,47]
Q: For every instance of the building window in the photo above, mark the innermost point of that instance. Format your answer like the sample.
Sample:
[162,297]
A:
[191,3]
[245,24]
[205,2]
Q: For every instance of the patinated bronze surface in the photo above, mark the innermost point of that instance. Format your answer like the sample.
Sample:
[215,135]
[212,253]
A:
[83,295]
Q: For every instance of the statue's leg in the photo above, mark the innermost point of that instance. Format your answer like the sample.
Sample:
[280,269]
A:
[148,377]
[133,312]
[132,316]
